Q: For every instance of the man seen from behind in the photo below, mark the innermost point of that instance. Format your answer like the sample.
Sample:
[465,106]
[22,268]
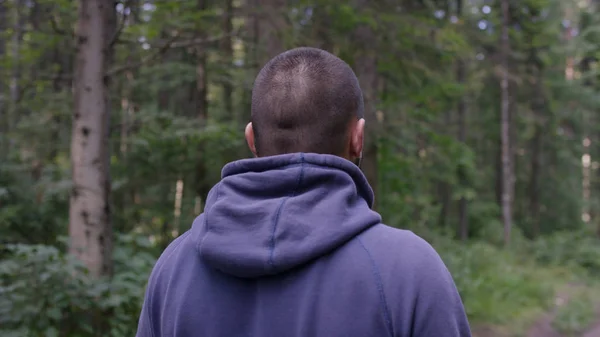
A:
[288,245]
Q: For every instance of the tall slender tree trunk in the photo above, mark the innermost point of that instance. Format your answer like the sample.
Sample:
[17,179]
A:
[461,74]
[507,174]
[537,106]
[250,36]
[463,216]
[201,184]
[272,28]
[201,79]
[127,103]
[534,196]
[3,105]
[365,65]
[17,38]
[444,187]
[227,50]
[321,34]
[90,228]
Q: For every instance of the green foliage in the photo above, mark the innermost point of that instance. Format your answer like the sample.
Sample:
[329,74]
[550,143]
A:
[44,292]
[573,318]
[497,286]
[577,249]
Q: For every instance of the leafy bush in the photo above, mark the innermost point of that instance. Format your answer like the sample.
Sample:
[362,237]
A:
[44,292]
[576,249]
[496,285]
[574,317]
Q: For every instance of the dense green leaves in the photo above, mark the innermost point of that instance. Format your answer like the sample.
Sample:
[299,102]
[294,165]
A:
[43,292]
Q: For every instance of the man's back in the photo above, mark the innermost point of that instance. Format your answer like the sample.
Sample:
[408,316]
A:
[288,246]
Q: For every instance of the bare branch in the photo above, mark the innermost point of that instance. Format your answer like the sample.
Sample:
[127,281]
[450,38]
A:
[199,41]
[115,37]
[57,29]
[146,59]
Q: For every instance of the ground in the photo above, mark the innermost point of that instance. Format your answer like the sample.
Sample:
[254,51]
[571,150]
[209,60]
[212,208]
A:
[544,325]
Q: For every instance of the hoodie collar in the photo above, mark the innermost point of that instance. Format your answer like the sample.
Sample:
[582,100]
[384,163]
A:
[269,215]
[280,162]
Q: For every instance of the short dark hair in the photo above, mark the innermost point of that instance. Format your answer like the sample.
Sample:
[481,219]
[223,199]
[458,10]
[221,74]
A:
[302,101]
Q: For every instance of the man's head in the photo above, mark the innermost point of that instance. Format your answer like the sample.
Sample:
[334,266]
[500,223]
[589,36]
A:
[306,100]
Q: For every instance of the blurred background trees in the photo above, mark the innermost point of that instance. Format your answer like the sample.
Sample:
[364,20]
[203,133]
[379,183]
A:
[116,118]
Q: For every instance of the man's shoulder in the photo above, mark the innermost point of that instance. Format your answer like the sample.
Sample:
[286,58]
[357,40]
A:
[389,240]
[170,255]
[396,251]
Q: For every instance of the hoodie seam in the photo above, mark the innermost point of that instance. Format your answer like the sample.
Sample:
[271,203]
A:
[331,167]
[206,213]
[379,285]
[278,213]
[159,268]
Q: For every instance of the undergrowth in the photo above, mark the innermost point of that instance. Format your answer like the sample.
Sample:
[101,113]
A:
[573,318]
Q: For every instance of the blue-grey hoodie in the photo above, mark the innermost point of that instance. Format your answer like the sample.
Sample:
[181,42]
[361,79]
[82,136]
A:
[288,246]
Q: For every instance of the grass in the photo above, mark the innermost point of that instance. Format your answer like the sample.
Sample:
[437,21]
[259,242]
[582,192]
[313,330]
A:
[573,318]
[505,291]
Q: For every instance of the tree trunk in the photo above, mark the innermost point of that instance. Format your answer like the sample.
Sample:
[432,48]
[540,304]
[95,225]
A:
[461,74]
[365,66]
[201,79]
[250,35]
[272,27]
[90,229]
[537,106]
[201,184]
[127,104]
[227,49]
[3,110]
[463,220]
[321,34]
[444,188]
[15,79]
[507,174]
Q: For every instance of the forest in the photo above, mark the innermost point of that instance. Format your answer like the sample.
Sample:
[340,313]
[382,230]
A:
[483,137]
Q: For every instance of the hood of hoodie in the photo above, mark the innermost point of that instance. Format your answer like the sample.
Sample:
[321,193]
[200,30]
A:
[268,215]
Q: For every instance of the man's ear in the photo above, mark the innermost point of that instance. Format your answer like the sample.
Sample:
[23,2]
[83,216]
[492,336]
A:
[357,138]
[249,132]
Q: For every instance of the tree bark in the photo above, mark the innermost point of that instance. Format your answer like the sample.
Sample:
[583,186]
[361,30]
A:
[201,79]
[90,228]
[537,106]
[127,103]
[227,49]
[463,220]
[3,110]
[461,74]
[15,79]
[272,26]
[365,66]
[507,174]
[201,184]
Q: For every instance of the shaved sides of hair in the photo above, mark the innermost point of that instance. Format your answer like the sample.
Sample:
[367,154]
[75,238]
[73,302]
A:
[303,101]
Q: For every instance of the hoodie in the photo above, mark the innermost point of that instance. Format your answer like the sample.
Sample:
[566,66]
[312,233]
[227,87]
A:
[288,246]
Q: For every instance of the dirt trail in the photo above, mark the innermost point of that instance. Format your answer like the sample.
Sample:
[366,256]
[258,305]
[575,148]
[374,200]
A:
[594,331]
[543,327]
